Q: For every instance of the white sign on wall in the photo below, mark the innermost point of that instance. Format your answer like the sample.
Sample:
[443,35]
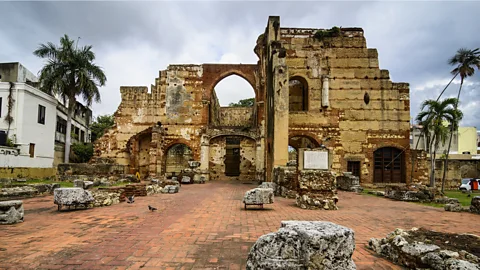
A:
[317,160]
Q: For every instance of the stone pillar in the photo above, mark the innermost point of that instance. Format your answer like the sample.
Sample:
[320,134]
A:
[205,157]
[280,107]
[260,160]
[325,88]
[158,134]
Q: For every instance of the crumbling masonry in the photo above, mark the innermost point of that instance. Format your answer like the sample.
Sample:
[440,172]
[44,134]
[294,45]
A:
[310,90]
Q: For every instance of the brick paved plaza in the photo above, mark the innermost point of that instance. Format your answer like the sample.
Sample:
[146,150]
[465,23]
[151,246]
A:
[202,227]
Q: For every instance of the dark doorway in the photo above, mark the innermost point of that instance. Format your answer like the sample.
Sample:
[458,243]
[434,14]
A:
[354,167]
[232,157]
[389,165]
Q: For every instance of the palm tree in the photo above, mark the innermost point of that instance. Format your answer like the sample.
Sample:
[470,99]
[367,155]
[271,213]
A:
[432,117]
[465,61]
[70,72]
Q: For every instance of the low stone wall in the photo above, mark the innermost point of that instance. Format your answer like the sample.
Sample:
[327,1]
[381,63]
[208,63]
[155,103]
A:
[410,193]
[27,191]
[475,205]
[71,171]
[286,180]
[317,190]
[138,190]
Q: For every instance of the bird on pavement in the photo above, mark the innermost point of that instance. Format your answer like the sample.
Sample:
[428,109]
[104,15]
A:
[131,199]
[151,208]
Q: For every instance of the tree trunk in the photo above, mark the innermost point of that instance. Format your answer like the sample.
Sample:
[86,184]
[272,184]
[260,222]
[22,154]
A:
[452,127]
[69,129]
[432,162]
[438,98]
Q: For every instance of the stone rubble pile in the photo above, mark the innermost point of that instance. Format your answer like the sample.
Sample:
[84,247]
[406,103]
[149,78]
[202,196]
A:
[420,255]
[317,190]
[11,212]
[417,193]
[304,245]
[105,197]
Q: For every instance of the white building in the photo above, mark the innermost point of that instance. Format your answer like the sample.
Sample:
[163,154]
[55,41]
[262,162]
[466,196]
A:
[39,121]
[33,124]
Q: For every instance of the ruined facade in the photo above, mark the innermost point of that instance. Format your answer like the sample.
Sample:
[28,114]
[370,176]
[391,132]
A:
[312,87]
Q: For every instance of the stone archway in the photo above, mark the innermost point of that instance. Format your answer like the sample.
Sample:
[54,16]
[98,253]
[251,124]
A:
[177,157]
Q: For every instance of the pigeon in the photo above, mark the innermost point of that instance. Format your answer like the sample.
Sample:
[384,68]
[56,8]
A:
[151,208]
[131,199]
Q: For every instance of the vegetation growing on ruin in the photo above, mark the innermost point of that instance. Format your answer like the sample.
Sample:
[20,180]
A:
[249,102]
[326,33]
[81,152]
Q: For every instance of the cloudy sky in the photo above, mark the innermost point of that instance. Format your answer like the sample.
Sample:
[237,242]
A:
[134,40]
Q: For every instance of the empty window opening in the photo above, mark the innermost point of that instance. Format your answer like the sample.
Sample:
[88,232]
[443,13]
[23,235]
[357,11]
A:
[41,114]
[298,94]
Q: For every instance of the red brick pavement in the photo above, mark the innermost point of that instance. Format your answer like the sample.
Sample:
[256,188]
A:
[202,227]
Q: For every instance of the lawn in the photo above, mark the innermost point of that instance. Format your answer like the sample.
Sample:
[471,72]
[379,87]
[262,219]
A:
[36,181]
[462,197]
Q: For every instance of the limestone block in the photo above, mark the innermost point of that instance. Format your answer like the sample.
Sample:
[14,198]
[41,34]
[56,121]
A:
[475,205]
[72,196]
[87,184]
[11,212]
[186,179]
[258,196]
[304,245]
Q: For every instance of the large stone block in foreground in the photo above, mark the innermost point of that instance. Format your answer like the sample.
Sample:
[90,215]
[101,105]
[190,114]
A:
[304,245]
[72,196]
[258,196]
[11,212]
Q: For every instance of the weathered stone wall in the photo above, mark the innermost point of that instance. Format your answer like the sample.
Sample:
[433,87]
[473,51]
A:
[30,173]
[457,169]
[365,109]
[236,116]
[65,170]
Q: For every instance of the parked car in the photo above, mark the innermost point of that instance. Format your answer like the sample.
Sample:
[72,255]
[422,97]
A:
[470,184]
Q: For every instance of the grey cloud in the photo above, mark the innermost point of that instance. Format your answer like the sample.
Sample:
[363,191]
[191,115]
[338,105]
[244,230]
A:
[133,40]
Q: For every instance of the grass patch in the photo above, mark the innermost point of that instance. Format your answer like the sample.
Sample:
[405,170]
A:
[36,181]
[462,197]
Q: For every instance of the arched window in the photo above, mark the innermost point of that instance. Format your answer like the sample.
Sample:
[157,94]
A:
[298,94]
[232,102]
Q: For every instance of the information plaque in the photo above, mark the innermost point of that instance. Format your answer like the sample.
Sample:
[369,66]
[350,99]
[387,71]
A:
[317,160]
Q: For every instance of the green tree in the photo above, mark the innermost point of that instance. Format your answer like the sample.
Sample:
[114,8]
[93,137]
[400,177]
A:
[465,62]
[70,72]
[432,117]
[100,125]
[81,152]
[249,102]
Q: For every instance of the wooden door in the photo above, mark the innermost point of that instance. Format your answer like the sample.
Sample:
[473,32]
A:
[389,165]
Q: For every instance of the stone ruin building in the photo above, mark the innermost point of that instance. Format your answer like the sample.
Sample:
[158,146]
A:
[312,88]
